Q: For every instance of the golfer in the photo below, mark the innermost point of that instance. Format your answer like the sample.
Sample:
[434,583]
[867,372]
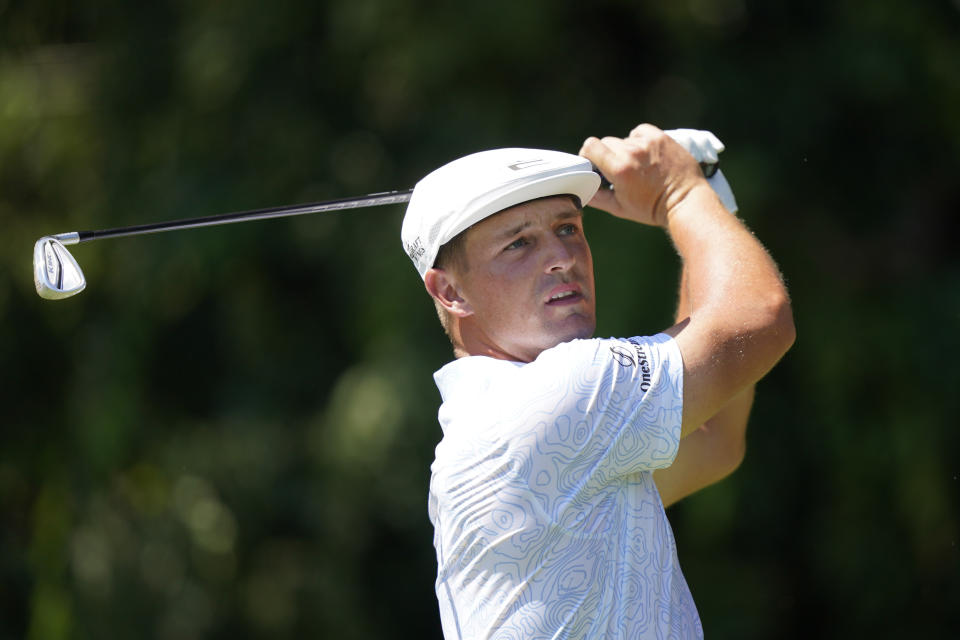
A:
[560,450]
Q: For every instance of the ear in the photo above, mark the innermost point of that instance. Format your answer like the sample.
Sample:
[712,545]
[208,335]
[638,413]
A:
[443,286]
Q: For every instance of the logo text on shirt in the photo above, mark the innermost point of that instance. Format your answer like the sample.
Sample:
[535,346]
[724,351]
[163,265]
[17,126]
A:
[637,358]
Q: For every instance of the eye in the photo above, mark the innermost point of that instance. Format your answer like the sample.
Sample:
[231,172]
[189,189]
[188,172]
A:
[567,230]
[516,244]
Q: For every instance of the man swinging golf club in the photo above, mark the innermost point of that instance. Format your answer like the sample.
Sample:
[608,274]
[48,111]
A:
[549,520]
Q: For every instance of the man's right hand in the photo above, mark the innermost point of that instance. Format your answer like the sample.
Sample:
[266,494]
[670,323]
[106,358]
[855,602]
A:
[651,174]
[738,320]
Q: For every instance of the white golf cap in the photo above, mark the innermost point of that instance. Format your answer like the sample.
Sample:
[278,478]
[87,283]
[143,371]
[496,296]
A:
[465,191]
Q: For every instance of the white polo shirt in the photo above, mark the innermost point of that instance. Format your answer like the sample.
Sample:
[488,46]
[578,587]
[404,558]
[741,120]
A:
[547,522]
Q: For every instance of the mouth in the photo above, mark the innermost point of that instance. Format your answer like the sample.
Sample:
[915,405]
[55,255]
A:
[564,295]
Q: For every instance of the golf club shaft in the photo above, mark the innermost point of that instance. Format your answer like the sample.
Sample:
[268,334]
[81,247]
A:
[371,200]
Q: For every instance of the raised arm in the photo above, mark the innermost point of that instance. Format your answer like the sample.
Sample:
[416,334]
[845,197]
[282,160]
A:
[713,451]
[740,322]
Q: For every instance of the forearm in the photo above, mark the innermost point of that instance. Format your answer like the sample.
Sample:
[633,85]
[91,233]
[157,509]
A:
[726,271]
[710,453]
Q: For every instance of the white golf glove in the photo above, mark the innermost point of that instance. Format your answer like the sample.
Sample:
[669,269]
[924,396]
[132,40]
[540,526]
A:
[705,148]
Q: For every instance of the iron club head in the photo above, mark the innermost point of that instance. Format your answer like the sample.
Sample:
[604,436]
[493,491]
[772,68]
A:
[55,272]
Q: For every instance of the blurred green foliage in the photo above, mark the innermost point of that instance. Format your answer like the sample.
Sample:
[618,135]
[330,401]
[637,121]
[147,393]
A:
[229,433]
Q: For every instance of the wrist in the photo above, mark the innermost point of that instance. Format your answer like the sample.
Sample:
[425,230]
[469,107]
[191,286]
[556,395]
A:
[695,201]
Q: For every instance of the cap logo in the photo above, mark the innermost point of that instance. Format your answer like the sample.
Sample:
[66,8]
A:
[416,249]
[523,164]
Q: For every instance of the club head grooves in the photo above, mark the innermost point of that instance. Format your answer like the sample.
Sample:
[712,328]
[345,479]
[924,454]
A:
[56,274]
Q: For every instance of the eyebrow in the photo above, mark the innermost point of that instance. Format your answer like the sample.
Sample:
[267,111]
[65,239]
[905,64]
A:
[566,214]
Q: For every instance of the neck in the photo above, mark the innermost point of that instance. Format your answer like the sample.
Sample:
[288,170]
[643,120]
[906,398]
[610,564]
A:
[469,340]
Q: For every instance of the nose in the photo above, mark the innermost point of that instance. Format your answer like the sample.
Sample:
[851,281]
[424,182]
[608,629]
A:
[559,257]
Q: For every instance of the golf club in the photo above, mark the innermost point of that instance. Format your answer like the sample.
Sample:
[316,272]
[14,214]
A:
[57,275]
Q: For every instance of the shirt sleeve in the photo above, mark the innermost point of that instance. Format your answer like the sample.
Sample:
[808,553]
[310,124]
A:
[609,407]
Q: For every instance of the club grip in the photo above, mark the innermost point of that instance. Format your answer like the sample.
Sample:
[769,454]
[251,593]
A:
[709,170]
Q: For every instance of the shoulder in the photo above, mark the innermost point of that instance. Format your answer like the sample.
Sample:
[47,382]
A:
[477,373]
[643,353]
[575,368]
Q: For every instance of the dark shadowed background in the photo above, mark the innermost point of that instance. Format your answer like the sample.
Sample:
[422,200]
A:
[228,434]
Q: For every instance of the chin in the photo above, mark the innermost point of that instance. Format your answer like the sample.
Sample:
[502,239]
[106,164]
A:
[576,331]
[579,335]
[583,326]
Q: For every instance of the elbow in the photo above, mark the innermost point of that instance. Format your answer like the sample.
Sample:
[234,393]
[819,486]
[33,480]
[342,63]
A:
[783,325]
[777,325]
[728,447]
[729,455]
